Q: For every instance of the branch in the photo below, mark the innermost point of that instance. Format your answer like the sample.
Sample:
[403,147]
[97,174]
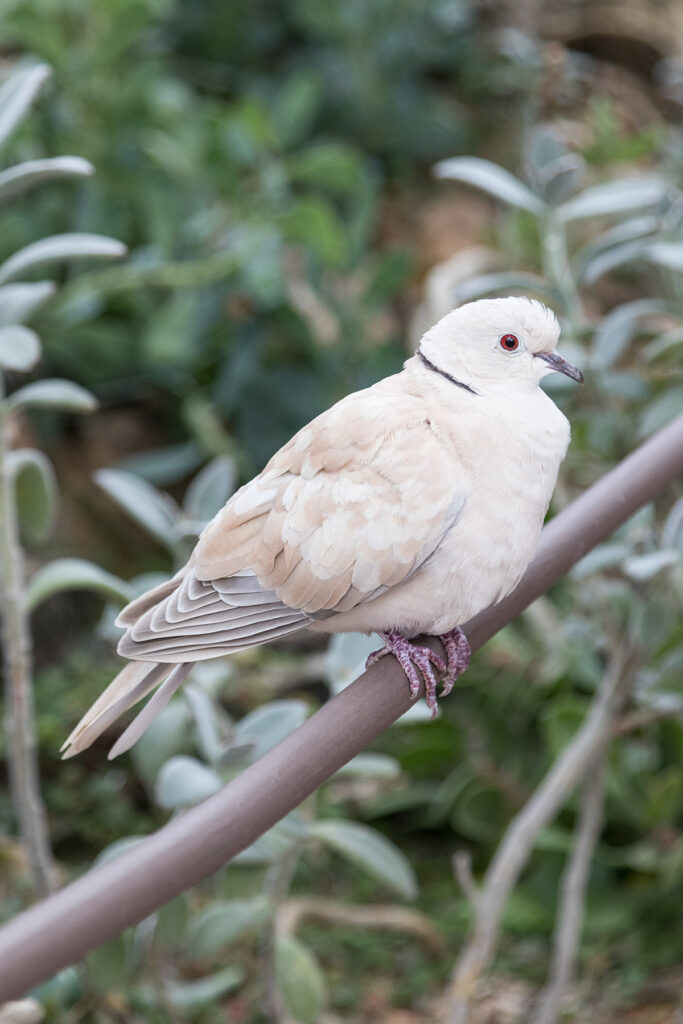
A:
[515,848]
[381,916]
[123,891]
[574,883]
[16,658]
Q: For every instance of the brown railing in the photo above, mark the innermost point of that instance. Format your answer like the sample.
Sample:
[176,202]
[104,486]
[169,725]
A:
[63,928]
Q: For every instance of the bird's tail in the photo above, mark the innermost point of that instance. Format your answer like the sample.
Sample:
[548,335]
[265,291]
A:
[133,682]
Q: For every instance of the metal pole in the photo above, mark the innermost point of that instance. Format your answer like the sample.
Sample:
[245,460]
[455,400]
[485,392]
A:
[63,928]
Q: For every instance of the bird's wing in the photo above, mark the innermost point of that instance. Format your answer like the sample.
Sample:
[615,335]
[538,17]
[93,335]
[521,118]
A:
[350,507]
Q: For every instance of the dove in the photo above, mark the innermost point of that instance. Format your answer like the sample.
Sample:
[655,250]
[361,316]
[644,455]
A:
[404,509]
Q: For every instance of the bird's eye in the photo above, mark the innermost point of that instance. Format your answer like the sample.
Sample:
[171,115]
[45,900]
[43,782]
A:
[509,342]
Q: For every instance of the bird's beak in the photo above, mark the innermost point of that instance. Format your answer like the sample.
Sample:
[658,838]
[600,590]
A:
[556,362]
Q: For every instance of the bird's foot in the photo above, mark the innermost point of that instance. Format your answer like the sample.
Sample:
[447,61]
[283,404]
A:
[458,655]
[412,657]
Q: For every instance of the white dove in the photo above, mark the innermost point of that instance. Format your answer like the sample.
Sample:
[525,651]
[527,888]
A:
[404,509]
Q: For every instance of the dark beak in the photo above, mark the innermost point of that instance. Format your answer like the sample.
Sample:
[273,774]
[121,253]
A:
[556,362]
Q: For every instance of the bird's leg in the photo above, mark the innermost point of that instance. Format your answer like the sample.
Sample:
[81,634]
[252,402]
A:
[412,657]
[458,657]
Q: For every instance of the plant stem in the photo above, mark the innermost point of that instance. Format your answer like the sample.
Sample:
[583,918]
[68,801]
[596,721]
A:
[573,888]
[16,646]
[517,844]
[557,267]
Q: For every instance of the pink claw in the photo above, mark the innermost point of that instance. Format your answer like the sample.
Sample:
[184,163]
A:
[458,655]
[413,657]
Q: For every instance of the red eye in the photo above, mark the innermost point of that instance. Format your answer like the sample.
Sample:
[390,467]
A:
[510,342]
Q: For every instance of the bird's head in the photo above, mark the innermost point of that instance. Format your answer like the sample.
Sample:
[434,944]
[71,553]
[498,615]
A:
[495,344]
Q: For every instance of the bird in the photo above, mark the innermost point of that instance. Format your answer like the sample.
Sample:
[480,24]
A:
[404,509]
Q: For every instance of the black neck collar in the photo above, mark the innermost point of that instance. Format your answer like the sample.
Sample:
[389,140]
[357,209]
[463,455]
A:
[443,373]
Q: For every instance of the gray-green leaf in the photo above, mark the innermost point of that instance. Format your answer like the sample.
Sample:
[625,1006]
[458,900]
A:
[488,284]
[210,489]
[184,781]
[35,489]
[666,254]
[19,301]
[371,851]
[269,724]
[614,197]
[300,980]
[56,249]
[188,994]
[490,178]
[53,394]
[620,326]
[19,348]
[155,511]
[74,574]
[225,922]
[644,567]
[17,95]
[21,177]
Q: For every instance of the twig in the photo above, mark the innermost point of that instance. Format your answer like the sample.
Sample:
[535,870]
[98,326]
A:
[462,869]
[573,892]
[519,839]
[276,886]
[16,645]
[384,917]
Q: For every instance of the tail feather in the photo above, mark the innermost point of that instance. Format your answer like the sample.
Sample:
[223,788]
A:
[133,682]
[154,705]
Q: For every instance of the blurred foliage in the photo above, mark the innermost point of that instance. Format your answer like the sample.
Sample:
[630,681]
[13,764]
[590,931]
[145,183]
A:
[247,155]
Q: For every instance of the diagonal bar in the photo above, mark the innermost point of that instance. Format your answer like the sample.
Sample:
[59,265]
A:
[63,928]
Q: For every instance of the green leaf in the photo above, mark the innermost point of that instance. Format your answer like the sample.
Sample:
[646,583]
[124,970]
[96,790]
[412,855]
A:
[35,490]
[107,966]
[314,223]
[24,176]
[57,249]
[210,489]
[74,574]
[186,995]
[371,851]
[333,166]
[300,980]
[224,923]
[19,301]
[19,348]
[490,178]
[17,95]
[269,724]
[184,781]
[54,393]
[297,103]
[614,197]
[155,511]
